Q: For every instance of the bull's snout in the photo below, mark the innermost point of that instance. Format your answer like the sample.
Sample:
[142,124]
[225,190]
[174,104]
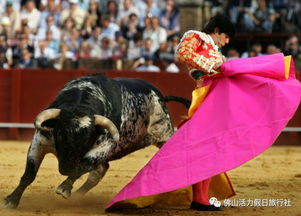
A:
[65,171]
[75,169]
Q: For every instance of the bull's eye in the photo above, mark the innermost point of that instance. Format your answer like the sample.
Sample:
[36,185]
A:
[100,130]
[59,135]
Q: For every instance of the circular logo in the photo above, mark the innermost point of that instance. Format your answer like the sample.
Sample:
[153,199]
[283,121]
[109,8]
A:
[212,200]
[215,202]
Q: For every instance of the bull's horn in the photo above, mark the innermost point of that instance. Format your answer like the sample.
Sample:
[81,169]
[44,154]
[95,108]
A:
[108,124]
[44,116]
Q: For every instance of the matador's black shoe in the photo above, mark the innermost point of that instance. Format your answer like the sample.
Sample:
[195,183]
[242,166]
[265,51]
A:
[202,207]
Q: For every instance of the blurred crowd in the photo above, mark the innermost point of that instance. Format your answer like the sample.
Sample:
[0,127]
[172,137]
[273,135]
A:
[291,47]
[45,33]
[260,15]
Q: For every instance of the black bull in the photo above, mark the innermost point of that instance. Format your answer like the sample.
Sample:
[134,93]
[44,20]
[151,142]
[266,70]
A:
[92,121]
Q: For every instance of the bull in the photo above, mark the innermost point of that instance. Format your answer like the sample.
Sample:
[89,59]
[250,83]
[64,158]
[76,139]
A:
[92,121]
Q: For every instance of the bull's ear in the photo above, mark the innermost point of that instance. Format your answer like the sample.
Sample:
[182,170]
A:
[43,119]
[99,130]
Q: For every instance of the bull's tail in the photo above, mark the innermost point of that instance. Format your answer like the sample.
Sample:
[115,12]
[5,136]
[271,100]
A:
[181,100]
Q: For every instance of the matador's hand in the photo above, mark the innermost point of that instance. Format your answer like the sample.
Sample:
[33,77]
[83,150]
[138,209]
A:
[217,66]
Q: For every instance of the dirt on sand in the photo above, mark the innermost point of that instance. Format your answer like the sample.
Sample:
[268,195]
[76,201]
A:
[273,178]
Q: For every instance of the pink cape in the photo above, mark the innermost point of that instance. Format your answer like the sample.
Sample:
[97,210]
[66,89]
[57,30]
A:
[244,112]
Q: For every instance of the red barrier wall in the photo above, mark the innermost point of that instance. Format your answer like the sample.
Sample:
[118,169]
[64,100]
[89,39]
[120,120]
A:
[24,93]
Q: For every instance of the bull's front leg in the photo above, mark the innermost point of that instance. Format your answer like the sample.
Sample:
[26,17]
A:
[66,186]
[93,179]
[37,150]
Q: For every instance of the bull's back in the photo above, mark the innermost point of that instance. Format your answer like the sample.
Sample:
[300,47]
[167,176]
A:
[138,86]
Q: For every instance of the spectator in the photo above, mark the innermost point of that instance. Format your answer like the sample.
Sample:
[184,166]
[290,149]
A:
[112,10]
[74,41]
[174,40]
[147,27]
[106,48]
[291,17]
[236,10]
[251,53]
[26,61]
[41,35]
[130,28]
[170,66]
[165,57]
[119,37]
[64,54]
[67,27]
[5,26]
[85,50]
[109,28]
[43,54]
[169,18]
[260,19]
[135,47]
[75,12]
[163,53]
[124,13]
[147,8]
[147,65]
[3,61]
[13,15]
[94,12]
[88,26]
[95,52]
[32,15]
[256,50]
[6,51]
[157,34]
[272,49]
[22,44]
[292,47]
[94,38]
[53,43]
[148,47]
[88,52]
[28,32]
[120,50]
[51,9]
[232,53]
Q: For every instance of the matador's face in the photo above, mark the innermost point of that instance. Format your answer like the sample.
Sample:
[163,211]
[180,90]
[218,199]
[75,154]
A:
[221,39]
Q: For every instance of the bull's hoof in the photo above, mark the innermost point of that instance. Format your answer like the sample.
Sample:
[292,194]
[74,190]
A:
[9,203]
[64,192]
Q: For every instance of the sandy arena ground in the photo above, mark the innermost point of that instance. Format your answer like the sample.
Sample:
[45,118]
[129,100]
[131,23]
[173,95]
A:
[275,174]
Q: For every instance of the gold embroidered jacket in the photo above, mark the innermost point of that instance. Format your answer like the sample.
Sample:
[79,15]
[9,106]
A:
[198,51]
